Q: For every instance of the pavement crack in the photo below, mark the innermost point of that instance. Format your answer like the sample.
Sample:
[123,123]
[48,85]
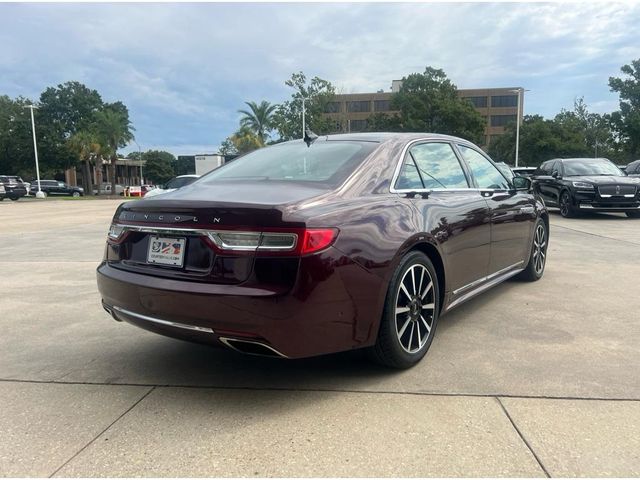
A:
[522,437]
[135,404]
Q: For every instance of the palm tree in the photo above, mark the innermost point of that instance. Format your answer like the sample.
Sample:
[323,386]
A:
[258,118]
[114,128]
[87,146]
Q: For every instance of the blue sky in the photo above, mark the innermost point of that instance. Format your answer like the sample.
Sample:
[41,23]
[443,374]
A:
[185,69]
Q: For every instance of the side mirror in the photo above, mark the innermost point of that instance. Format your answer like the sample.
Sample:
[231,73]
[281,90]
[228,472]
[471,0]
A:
[522,183]
[555,174]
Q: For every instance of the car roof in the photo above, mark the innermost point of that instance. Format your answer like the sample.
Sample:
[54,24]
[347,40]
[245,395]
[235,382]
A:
[581,159]
[380,137]
[188,176]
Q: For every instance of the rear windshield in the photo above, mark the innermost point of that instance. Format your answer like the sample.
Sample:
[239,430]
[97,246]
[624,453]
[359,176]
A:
[180,182]
[324,162]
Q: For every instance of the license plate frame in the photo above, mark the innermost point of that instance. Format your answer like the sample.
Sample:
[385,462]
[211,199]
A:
[162,251]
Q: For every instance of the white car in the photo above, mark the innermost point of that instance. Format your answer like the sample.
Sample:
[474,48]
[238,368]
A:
[171,185]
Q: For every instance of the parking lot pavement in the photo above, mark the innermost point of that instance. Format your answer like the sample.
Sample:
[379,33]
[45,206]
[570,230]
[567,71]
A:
[507,388]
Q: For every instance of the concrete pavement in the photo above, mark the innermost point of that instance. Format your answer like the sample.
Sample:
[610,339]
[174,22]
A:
[525,380]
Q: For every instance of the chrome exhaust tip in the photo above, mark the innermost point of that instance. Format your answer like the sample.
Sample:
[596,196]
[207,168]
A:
[251,347]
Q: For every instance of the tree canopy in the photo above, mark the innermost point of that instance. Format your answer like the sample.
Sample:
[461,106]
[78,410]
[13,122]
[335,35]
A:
[626,121]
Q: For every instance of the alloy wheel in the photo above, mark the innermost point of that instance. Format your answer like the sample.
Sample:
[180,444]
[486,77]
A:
[539,249]
[564,204]
[414,308]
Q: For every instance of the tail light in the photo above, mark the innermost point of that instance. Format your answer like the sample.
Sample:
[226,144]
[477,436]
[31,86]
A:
[295,241]
[301,241]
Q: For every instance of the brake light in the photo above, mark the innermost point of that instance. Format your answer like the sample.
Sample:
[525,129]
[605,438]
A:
[317,239]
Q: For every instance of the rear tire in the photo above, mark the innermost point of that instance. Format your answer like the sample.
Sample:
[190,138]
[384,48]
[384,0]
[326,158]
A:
[633,214]
[15,199]
[410,314]
[538,255]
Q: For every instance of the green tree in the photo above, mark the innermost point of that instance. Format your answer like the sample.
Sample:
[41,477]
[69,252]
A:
[317,93]
[227,147]
[159,166]
[382,122]
[626,121]
[245,140]
[259,118]
[63,111]
[16,142]
[114,129]
[429,102]
[86,145]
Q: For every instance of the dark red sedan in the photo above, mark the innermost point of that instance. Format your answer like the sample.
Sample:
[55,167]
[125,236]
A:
[306,248]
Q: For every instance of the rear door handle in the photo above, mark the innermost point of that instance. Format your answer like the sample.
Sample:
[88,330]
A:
[486,193]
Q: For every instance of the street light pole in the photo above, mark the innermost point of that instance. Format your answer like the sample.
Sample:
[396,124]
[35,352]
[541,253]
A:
[139,158]
[39,193]
[519,91]
[304,113]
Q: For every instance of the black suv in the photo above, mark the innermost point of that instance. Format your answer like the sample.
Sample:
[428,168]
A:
[14,187]
[587,185]
[54,187]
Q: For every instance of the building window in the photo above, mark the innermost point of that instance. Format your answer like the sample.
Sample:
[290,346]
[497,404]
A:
[504,101]
[381,105]
[478,102]
[333,107]
[362,106]
[502,120]
[358,125]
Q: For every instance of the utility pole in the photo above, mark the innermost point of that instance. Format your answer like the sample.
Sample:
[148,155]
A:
[39,193]
[519,91]
[139,158]
[304,120]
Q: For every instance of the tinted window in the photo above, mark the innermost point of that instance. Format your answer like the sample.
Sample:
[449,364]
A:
[586,166]
[179,182]
[360,106]
[382,105]
[409,178]
[485,173]
[329,162]
[502,120]
[333,107]
[357,125]
[478,102]
[439,166]
[504,101]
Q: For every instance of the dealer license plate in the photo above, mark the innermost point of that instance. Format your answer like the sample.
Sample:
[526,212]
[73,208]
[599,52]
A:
[166,251]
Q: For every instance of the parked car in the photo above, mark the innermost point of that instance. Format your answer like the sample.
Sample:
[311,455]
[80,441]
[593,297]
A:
[173,184]
[523,171]
[105,189]
[56,188]
[13,187]
[587,185]
[633,169]
[137,190]
[355,241]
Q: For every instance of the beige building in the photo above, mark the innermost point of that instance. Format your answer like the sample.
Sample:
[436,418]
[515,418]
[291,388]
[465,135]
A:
[498,106]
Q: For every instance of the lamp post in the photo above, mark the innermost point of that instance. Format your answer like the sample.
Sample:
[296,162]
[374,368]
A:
[39,193]
[139,158]
[519,91]
[304,120]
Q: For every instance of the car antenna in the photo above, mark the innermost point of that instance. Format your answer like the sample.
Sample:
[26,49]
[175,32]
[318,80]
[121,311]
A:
[309,137]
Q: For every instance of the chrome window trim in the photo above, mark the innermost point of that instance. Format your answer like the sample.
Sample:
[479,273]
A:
[403,154]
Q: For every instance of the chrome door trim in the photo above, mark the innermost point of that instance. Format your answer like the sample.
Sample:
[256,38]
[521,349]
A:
[162,322]
[487,278]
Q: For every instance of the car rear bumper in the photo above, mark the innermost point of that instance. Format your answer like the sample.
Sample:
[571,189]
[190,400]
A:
[333,307]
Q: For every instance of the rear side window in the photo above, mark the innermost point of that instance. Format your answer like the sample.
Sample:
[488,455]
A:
[485,173]
[324,162]
[431,165]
